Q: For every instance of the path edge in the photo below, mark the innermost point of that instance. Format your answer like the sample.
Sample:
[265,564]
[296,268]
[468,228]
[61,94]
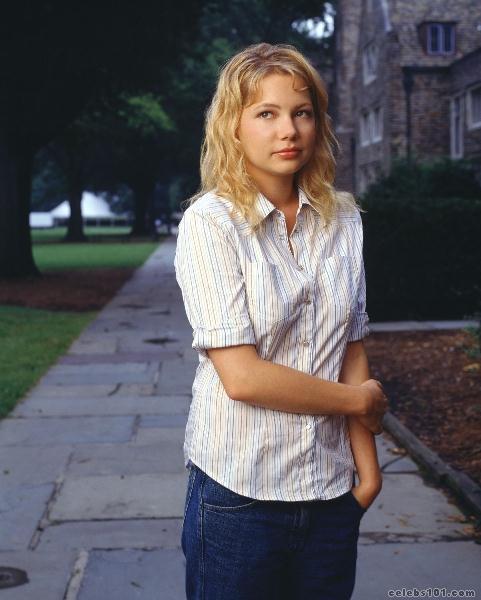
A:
[461,484]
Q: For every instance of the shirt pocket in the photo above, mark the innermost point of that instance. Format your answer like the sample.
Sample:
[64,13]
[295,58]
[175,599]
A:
[340,286]
[269,299]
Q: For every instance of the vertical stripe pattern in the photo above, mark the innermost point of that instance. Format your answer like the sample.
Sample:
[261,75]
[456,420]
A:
[299,310]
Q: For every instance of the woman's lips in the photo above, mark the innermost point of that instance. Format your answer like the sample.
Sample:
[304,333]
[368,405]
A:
[288,153]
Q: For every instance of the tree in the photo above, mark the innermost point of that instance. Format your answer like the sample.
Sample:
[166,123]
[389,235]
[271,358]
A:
[54,57]
[222,32]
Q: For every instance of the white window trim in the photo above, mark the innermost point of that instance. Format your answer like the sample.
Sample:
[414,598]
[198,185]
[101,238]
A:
[470,123]
[440,28]
[368,76]
[367,134]
[377,138]
[364,129]
[455,154]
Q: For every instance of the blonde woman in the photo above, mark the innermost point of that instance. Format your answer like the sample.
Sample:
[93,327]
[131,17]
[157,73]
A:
[269,262]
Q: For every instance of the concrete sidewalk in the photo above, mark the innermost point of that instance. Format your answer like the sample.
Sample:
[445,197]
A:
[92,481]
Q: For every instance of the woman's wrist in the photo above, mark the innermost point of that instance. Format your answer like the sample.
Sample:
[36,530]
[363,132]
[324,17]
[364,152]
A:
[357,399]
[371,484]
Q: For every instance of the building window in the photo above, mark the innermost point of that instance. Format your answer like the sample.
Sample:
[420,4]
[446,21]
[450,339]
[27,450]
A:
[371,126]
[376,124]
[365,129]
[474,107]
[440,38]
[457,149]
[369,63]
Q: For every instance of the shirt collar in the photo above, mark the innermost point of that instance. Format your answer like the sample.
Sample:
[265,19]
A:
[265,206]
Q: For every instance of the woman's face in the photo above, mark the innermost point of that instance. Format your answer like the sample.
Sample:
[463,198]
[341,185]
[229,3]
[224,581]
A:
[277,130]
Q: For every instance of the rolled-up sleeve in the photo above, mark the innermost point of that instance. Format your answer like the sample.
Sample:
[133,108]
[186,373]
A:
[208,273]
[359,322]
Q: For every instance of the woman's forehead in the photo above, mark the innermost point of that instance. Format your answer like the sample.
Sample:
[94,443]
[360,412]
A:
[266,85]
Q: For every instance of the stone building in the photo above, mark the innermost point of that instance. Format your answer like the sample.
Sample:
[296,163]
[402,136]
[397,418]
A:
[406,83]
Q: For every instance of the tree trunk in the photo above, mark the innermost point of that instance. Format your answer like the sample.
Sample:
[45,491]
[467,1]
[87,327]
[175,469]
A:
[75,232]
[16,164]
[143,199]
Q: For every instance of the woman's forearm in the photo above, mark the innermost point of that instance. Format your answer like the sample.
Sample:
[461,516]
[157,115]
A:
[286,389]
[355,370]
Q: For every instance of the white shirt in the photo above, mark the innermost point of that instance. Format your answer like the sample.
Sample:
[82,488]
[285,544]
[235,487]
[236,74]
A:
[299,311]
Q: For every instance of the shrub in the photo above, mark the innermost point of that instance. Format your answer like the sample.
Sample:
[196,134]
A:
[422,247]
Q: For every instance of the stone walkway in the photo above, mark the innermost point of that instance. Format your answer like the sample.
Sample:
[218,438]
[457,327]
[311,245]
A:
[92,479]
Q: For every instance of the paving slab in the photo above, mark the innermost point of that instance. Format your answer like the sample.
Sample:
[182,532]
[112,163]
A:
[21,466]
[176,376]
[131,574]
[48,574]
[66,430]
[21,509]
[120,497]
[111,376]
[163,456]
[118,404]
[450,565]
[407,507]
[72,391]
[112,534]
[88,344]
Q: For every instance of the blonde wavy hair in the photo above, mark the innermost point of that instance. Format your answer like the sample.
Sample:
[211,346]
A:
[222,167]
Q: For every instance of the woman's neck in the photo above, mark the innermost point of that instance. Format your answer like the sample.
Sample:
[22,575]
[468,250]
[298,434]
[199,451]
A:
[281,192]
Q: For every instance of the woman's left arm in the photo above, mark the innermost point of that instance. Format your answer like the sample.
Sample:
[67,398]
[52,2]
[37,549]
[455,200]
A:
[354,371]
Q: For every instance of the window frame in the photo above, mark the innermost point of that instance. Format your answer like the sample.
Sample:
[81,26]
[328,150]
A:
[471,124]
[369,52]
[440,27]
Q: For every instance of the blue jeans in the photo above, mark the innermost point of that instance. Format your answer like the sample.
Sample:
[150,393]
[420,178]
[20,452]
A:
[238,548]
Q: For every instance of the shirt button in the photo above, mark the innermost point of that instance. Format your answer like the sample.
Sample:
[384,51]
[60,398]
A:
[308,426]
[308,301]
[300,267]
[306,342]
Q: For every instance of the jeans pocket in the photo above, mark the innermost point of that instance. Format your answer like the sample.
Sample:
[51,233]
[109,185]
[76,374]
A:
[190,487]
[216,497]
[356,502]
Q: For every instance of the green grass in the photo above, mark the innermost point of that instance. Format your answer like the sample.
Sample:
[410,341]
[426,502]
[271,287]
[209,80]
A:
[57,233]
[91,255]
[110,247]
[31,340]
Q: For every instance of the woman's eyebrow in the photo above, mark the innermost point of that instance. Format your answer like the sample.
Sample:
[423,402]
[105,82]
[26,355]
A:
[270,105]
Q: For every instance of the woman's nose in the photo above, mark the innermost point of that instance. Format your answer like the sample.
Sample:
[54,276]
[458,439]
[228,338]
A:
[287,128]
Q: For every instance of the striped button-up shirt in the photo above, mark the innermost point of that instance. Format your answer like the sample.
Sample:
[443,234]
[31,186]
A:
[299,309]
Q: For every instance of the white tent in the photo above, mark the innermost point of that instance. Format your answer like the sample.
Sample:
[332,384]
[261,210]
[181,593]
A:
[93,207]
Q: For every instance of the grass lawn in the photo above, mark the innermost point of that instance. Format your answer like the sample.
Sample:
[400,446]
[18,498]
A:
[108,250]
[57,233]
[31,341]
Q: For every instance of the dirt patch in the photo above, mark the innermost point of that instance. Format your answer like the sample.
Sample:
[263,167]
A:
[76,290]
[434,388]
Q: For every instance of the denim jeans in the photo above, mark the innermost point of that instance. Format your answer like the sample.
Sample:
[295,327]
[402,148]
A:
[239,548]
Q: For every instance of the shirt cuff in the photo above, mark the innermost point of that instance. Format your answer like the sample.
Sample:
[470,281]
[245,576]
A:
[359,327]
[205,338]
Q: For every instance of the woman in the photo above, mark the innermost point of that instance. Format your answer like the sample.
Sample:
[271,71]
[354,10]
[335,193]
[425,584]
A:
[269,261]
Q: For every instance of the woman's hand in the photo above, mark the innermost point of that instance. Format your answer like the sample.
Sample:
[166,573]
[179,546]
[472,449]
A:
[376,405]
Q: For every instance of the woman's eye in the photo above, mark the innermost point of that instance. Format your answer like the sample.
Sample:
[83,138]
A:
[304,113]
[265,113]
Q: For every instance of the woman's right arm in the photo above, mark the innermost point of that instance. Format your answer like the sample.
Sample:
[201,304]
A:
[248,378]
